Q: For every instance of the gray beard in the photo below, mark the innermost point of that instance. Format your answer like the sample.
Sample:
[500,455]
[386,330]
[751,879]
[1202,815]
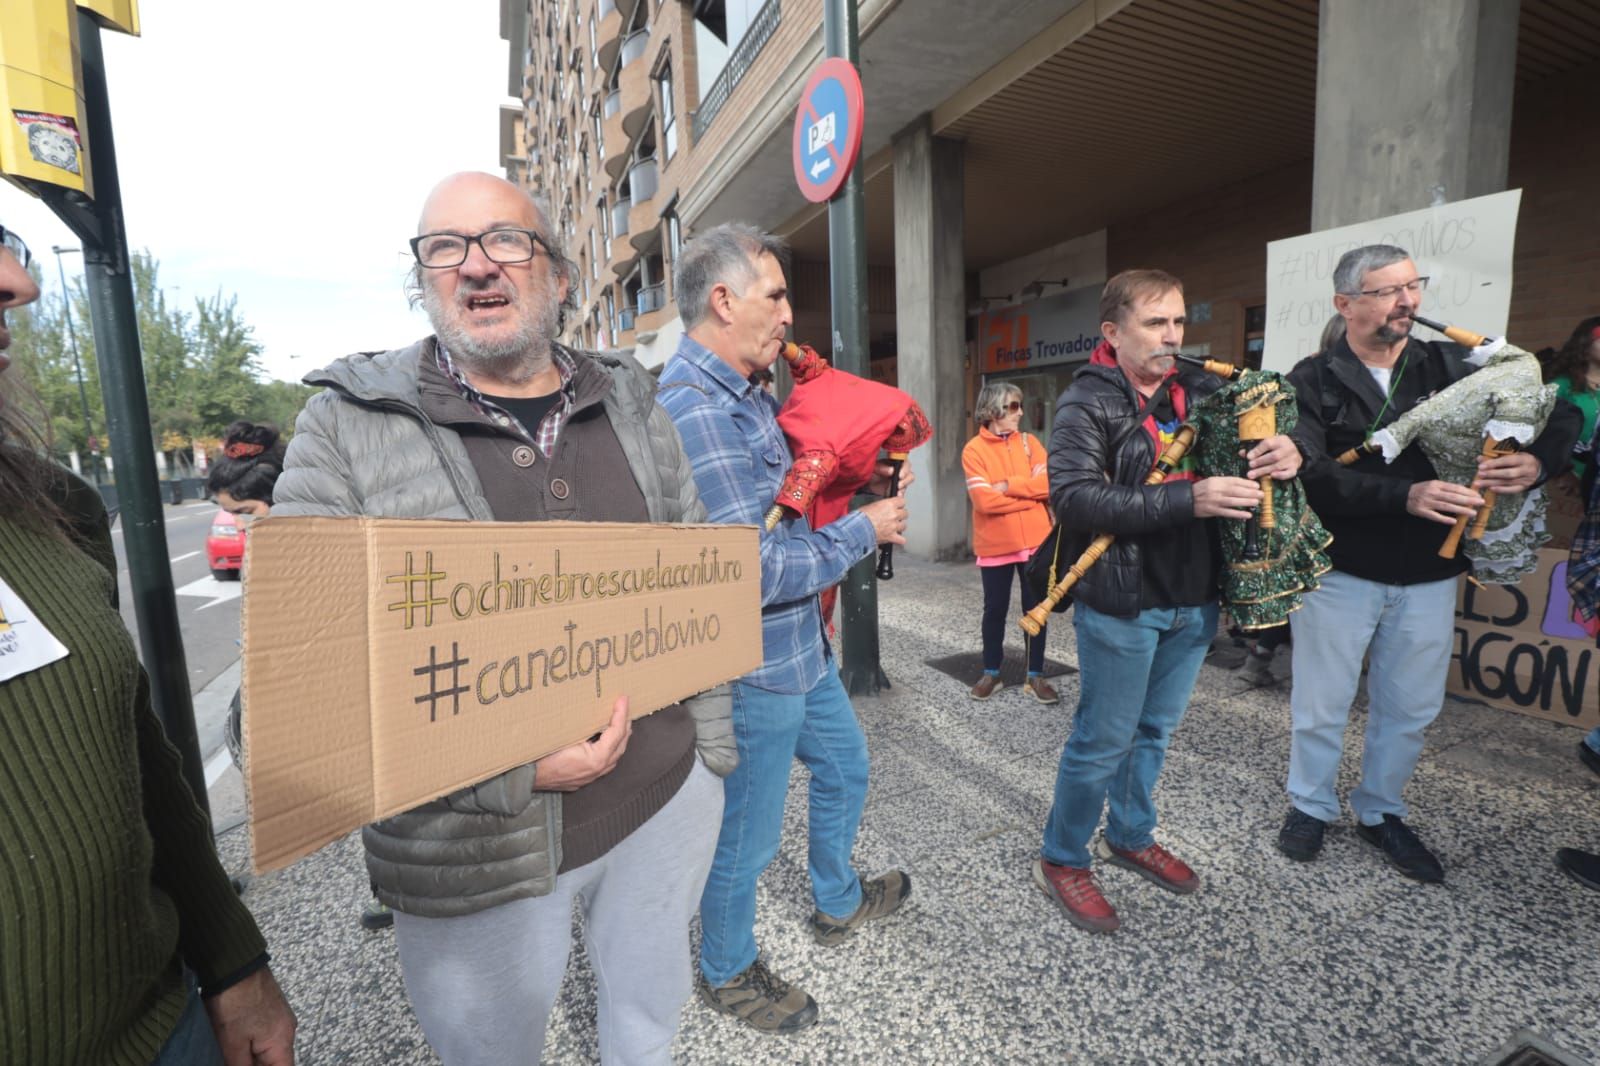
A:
[516,360]
[1388,334]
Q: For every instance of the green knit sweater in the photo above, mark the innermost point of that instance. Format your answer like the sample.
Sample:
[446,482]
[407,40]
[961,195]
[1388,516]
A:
[109,881]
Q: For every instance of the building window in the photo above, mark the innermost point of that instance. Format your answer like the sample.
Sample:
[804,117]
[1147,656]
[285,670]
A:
[669,131]
[728,35]
[674,236]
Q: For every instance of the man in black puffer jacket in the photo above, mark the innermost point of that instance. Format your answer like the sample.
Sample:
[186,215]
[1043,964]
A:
[1146,612]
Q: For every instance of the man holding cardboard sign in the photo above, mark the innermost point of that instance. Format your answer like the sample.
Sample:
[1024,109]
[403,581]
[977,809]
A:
[487,420]
[734,302]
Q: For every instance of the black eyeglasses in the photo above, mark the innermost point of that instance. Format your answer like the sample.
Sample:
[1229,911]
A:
[439,251]
[16,247]
[1389,292]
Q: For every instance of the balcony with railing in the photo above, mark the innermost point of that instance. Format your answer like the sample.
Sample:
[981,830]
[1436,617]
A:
[739,63]
[607,33]
[651,304]
[643,217]
[614,136]
[633,81]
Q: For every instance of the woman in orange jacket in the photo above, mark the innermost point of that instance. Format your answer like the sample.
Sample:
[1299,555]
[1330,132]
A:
[1010,490]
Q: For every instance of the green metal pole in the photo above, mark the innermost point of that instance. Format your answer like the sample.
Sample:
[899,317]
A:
[116,332]
[859,667]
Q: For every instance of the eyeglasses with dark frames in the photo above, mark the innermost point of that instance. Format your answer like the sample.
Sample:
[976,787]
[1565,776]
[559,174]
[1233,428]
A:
[1014,406]
[440,251]
[1388,292]
[14,244]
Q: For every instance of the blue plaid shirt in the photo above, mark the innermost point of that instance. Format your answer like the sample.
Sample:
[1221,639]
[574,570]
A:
[730,432]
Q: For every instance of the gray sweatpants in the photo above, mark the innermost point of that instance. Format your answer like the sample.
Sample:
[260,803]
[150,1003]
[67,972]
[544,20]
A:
[482,985]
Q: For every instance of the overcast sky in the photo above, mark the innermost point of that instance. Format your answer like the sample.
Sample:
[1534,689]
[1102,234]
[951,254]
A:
[281,152]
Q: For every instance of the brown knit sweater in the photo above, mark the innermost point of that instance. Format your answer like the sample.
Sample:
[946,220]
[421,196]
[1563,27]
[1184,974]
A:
[109,882]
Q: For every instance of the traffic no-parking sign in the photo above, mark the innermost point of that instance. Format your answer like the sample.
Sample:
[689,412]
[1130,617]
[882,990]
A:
[827,129]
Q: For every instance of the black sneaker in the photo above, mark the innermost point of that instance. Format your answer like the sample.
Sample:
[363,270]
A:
[879,896]
[1301,835]
[761,999]
[1589,756]
[376,916]
[1403,849]
[1582,866]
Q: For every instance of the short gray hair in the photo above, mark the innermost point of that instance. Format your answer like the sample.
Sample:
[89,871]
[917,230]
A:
[559,263]
[1354,265]
[724,255]
[992,400]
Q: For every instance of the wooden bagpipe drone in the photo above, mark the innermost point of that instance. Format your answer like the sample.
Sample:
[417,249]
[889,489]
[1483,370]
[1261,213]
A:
[1269,561]
[1497,409]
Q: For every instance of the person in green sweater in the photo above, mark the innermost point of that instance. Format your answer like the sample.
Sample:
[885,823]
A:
[1575,370]
[121,940]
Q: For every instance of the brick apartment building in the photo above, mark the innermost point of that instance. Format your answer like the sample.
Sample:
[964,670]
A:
[1018,152]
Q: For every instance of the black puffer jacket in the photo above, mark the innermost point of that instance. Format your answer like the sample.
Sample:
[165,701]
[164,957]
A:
[1364,505]
[1094,492]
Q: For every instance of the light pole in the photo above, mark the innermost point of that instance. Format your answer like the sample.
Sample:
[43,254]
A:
[89,441]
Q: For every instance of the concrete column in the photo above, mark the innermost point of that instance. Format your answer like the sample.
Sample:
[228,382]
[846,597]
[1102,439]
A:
[930,327]
[1413,105]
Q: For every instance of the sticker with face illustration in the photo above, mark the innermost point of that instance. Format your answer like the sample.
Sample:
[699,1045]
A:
[25,644]
[52,139]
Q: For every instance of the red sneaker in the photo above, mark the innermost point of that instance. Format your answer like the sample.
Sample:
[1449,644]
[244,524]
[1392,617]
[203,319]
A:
[1157,864]
[1076,893]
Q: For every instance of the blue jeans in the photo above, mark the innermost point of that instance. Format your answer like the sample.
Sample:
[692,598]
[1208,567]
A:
[772,729]
[1405,631]
[1137,674]
[192,1042]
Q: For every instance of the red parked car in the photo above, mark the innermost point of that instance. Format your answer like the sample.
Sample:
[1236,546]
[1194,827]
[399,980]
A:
[225,546]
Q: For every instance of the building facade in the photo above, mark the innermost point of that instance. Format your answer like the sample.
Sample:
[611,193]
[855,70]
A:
[1019,152]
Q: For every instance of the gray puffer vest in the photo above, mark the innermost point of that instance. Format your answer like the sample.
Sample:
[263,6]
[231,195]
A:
[364,447]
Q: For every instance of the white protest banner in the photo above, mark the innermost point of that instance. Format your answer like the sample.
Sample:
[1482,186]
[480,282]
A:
[1464,247]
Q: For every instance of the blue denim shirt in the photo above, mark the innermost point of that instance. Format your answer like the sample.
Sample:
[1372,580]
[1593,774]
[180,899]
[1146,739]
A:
[730,432]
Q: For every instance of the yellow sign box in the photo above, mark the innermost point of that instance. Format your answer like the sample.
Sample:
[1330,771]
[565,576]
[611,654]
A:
[42,134]
[388,662]
[115,14]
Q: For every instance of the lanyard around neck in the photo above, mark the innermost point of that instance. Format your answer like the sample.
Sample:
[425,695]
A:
[1394,383]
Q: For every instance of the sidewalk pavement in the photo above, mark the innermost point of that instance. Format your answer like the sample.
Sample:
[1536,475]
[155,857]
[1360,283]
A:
[1337,961]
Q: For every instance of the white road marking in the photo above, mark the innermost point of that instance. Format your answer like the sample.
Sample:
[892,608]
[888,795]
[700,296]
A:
[218,765]
[181,558]
[210,588]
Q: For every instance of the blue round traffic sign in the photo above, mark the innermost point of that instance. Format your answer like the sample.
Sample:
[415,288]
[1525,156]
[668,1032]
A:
[827,129]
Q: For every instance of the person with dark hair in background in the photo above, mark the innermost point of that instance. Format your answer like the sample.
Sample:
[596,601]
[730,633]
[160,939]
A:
[1575,370]
[124,942]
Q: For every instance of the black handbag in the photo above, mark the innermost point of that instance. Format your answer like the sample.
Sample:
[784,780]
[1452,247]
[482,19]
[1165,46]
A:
[1062,546]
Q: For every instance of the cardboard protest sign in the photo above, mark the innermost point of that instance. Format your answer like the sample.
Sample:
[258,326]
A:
[1517,647]
[389,662]
[1464,247]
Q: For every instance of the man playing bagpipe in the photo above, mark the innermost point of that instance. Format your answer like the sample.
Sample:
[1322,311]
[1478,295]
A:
[1391,596]
[1146,613]
[734,301]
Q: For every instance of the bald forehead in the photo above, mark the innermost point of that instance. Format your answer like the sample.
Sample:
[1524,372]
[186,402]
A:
[473,202]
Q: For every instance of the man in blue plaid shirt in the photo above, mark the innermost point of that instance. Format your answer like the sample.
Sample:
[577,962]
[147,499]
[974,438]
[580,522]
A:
[734,301]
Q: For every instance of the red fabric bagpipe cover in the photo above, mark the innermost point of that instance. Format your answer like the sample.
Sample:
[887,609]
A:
[837,424]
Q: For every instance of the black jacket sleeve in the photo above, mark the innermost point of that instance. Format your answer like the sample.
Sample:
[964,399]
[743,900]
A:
[1553,447]
[1332,489]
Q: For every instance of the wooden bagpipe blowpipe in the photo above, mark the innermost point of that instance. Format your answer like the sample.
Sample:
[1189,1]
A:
[1034,620]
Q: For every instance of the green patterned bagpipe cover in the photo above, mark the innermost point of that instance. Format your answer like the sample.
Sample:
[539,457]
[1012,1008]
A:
[1262,593]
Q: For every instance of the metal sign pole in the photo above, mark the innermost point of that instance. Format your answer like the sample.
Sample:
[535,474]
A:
[859,667]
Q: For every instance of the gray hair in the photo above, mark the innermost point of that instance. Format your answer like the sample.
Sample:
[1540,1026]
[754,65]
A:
[992,400]
[1354,265]
[722,255]
[560,263]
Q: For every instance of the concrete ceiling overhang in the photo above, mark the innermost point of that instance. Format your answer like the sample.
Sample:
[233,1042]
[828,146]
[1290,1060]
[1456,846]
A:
[1160,101]
[912,52]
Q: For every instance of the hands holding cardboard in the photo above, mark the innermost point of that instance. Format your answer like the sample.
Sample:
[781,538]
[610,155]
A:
[578,764]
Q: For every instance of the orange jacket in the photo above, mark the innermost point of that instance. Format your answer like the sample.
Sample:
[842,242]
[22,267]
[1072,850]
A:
[1019,517]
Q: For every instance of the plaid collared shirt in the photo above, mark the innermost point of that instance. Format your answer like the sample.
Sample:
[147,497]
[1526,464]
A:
[544,435]
[731,435]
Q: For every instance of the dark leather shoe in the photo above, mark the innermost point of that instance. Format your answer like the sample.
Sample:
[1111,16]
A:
[987,686]
[1301,835]
[1403,849]
[1041,690]
[1589,756]
[1582,866]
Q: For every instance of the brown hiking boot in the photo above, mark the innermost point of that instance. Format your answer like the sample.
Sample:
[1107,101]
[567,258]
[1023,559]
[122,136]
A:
[1041,690]
[1077,895]
[1154,863]
[761,999]
[987,686]
[879,897]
